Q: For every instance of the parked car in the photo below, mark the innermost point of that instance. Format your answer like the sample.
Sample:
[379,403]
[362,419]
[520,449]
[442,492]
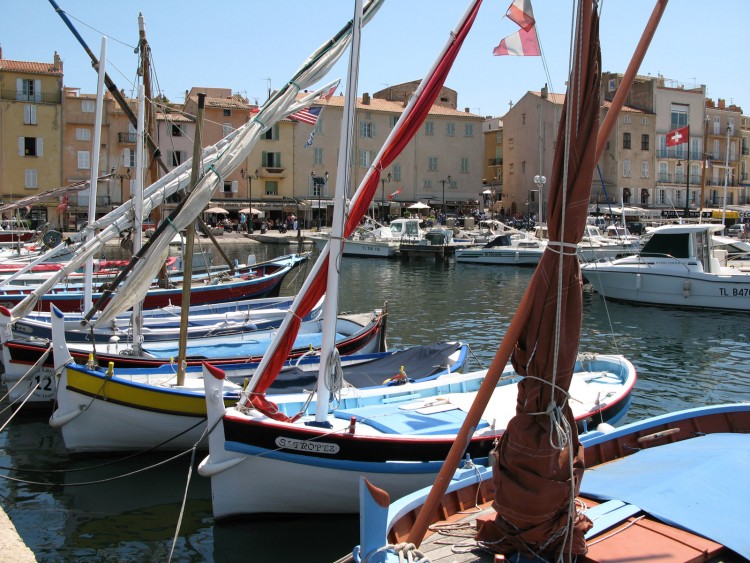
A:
[735,230]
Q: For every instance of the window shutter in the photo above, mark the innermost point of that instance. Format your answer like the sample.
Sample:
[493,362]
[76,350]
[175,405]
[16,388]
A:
[21,146]
[37,90]
[19,89]
[39,146]
[234,186]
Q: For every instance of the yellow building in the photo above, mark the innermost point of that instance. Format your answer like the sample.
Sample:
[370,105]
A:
[30,131]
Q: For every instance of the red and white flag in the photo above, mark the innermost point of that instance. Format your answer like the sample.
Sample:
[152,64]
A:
[521,44]
[678,136]
[394,194]
[521,13]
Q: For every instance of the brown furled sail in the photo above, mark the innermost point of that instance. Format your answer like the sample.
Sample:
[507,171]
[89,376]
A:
[539,459]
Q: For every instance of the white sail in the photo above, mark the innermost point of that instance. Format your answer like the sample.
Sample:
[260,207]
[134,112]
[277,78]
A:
[282,104]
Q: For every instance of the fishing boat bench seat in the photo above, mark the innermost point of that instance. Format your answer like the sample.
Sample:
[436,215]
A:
[405,419]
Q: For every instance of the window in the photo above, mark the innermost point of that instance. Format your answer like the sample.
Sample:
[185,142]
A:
[717,125]
[662,197]
[229,187]
[227,112]
[644,169]
[317,155]
[465,165]
[432,163]
[84,160]
[523,167]
[367,129]
[732,151]
[663,172]
[272,134]
[626,168]
[30,146]
[128,158]
[626,119]
[450,129]
[83,134]
[28,90]
[644,120]
[30,178]
[29,115]
[271,159]
[365,159]
[397,172]
[511,168]
[177,130]
[678,117]
[523,119]
[226,129]
[510,144]
[644,142]
[716,149]
[175,157]
[393,119]
[611,84]
[626,140]
[271,187]
[427,184]
[88,106]
[469,130]
[429,128]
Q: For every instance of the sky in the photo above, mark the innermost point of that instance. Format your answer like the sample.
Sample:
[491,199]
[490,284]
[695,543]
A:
[250,46]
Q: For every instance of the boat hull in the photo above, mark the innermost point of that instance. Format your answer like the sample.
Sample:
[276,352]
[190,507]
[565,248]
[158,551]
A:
[322,466]
[676,288]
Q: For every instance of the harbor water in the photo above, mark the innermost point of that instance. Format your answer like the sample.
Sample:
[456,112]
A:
[114,509]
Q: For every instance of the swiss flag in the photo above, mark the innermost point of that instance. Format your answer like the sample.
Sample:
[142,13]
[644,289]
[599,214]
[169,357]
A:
[678,136]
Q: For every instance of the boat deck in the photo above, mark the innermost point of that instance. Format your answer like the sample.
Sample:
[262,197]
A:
[634,538]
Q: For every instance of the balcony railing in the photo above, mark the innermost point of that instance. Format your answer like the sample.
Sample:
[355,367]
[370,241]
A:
[44,97]
[673,152]
[495,162]
[129,138]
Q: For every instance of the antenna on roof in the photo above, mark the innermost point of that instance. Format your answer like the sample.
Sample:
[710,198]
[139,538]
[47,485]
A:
[269,87]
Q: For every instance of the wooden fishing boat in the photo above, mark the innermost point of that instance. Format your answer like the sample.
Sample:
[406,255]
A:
[638,494]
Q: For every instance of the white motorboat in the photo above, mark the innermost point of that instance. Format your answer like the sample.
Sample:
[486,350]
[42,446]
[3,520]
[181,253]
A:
[504,250]
[680,265]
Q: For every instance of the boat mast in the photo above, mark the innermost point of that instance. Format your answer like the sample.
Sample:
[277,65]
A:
[419,528]
[187,257]
[336,241]
[88,289]
[136,193]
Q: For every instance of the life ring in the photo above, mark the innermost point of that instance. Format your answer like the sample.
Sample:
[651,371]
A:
[52,238]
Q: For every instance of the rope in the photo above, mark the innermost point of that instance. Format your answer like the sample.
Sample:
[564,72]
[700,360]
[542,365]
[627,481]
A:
[405,551]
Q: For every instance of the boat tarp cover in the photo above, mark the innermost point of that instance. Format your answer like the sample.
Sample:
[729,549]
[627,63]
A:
[700,485]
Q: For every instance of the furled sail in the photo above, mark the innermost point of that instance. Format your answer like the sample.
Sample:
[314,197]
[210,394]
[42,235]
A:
[281,104]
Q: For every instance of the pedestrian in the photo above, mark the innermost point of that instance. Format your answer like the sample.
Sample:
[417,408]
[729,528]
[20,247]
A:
[243,222]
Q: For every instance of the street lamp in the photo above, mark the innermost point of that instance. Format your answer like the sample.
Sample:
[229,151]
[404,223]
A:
[382,193]
[540,180]
[318,184]
[448,180]
[250,177]
[680,164]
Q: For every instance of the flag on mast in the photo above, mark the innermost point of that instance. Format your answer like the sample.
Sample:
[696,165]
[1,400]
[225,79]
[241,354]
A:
[678,136]
[308,115]
[394,194]
[520,12]
[520,44]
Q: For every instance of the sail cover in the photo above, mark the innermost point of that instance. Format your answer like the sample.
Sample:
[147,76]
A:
[538,469]
[408,124]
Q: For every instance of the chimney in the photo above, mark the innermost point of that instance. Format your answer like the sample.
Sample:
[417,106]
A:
[466,110]
[1,52]
[722,103]
[545,92]
[365,99]
[57,65]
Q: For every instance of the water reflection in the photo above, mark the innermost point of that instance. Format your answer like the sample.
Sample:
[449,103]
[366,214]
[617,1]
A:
[683,358]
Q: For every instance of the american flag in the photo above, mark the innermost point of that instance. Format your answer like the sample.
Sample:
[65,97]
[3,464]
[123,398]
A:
[308,115]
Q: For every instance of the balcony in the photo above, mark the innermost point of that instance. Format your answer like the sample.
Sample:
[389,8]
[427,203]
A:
[495,162]
[127,138]
[675,152]
[44,98]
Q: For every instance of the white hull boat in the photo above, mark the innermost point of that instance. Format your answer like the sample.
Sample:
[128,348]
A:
[678,266]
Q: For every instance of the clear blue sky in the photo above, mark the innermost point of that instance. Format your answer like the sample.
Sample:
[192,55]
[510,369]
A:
[245,44]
